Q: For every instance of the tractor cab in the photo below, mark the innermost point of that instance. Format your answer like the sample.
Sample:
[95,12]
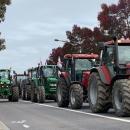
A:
[77,64]
[50,71]
[115,58]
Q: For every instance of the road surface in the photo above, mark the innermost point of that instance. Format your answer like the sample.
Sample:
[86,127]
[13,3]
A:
[32,116]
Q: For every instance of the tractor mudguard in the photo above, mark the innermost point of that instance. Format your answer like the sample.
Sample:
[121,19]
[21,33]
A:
[67,78]
[103,73]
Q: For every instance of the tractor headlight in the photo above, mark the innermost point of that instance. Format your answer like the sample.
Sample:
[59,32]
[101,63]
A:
[53,85]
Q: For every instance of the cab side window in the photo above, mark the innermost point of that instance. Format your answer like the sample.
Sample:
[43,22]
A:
[108,55]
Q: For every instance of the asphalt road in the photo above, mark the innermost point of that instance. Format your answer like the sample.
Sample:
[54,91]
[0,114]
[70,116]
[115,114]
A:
[27,115]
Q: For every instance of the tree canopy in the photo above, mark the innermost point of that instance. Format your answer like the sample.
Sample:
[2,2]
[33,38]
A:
[114,20]
[3,5]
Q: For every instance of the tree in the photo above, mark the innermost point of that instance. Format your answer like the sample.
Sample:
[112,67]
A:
[81,40]
[3,5]
[53,58]
[115,19]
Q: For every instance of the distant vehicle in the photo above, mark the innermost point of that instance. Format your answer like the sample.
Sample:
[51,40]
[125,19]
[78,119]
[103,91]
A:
[7,87]
[26,85]
[18,78]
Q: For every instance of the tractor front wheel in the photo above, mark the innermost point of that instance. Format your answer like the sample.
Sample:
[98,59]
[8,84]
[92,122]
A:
[33,93]
[121,97]
[98,94]
[28,92]
[41,94]
[62,93]
[76,96]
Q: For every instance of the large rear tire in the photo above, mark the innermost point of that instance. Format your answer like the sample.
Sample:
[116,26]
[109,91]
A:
[98,94]
[76,96]
[62,93]
[10,98]
[41,94]
[121,97]
[33,93]
[15,94]
[28,91]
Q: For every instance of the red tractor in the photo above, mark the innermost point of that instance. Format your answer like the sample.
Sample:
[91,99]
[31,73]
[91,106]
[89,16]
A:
[73,79]
[109,83]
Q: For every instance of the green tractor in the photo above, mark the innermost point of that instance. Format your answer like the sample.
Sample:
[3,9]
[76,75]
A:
[7,87]
[43,83]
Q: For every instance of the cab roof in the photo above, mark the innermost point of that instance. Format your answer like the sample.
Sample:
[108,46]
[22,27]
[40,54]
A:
[4,69]
[120,41]
[81,56]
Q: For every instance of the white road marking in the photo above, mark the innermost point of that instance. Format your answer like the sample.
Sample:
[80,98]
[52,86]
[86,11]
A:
[19,122]
[85,113]
[26,126]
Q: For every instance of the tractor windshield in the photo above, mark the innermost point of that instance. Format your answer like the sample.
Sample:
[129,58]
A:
[48,72]
[83,64]
[124,54]
[4,74]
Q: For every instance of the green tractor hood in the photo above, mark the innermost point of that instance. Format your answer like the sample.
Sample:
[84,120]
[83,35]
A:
[4,81]
[52,80]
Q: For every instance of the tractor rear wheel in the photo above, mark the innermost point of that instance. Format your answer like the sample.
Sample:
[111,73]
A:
[62,93]
[76,96]
[15,94]
[33,93]
[98,94]
[28,92]
[41,94]
[121,97]
[10,98]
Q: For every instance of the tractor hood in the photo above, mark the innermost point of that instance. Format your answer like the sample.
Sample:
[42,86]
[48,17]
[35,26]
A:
[4,81]
[52,80]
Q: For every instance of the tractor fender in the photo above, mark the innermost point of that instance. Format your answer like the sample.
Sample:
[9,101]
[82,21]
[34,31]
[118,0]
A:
[103,73]
[66,77]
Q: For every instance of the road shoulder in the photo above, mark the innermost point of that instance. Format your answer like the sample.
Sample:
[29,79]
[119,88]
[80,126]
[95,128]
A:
[3,126]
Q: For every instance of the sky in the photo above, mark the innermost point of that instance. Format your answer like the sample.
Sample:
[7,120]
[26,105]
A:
[31,26]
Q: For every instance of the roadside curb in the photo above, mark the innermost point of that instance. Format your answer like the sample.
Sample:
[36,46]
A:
[3,126]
